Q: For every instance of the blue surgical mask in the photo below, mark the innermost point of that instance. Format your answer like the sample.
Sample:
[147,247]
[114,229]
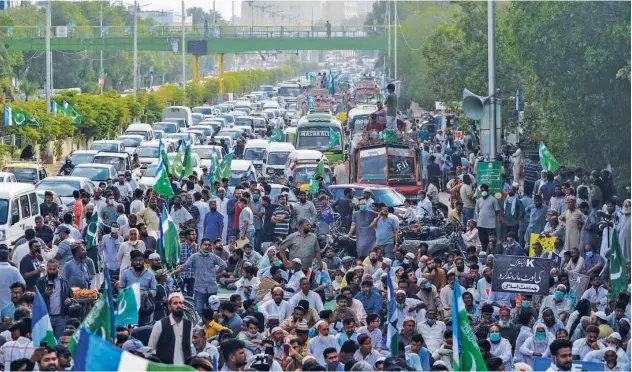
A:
[494,337]
[526,303]
[589,254]
[332,365]
[558,295]
[363,207]
[431,322]
[427,285]
[540,336]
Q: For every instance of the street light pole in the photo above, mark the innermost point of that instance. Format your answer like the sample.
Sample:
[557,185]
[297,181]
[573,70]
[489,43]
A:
[395,41]
[135,46]
[48,57]
[491,90]
[101,27]
[184,71]
[388,25]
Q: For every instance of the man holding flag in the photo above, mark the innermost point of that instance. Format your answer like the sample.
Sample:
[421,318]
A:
[466,354]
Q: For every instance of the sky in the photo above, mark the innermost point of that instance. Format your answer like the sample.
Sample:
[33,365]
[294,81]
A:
[222,6]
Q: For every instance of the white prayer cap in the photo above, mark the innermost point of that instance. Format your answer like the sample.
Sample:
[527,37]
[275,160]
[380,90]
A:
[616,336]
[522,367]
[175,294]
[387,261]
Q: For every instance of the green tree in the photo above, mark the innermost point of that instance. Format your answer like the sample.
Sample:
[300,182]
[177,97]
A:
[28,88]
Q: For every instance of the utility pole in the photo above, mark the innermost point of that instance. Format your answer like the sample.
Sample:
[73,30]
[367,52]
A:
[388,25]
[184,71]
[48,57]
[135,46]
[395,46]
[101,27]
[491,72]
[232,15]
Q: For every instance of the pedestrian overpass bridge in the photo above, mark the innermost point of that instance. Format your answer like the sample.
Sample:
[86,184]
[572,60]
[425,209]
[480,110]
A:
[198,39]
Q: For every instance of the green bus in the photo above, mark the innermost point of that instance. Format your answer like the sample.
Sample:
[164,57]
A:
[313,133]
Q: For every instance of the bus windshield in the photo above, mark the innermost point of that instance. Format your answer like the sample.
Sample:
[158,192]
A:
[289,91]
[358,123]
[372,165]
[375,165]
[318,139]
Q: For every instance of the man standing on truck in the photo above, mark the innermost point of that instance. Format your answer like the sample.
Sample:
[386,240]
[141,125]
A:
[391,108]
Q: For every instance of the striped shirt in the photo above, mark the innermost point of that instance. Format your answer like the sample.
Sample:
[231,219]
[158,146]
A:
[186,252]
[14,350]
[282,228]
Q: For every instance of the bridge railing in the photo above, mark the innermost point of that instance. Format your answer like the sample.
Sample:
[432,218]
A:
[220,32]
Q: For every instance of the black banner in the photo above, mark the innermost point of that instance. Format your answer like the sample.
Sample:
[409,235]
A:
[519,274]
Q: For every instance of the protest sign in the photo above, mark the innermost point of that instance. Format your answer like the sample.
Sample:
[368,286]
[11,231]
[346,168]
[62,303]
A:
[579,282]
[547,243]
[520,274]
[490,173]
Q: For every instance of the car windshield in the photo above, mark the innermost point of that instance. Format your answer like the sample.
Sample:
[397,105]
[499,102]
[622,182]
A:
[318,139]
[232,134]
[255,154]
[275,191]
[118,163]
[131,142]
[205,153]
[59,187]
[277,158]
[110,147]
[28,175]
[390,197]
[147,152]
[166,127]
[205,131]
[259,123]
[243,121]
[81,158]
[358,123]
[289,91]
[203,110]
[304,174]
[151,171]
[197,118]
[144,134]
[372,167]
[95,174]
[4,211]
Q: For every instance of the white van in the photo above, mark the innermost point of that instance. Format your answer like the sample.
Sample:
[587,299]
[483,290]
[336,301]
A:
[256,150]
[144,130]
[277,157]
[18,208]
[178,112]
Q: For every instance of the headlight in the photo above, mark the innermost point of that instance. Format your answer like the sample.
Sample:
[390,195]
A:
[3,235]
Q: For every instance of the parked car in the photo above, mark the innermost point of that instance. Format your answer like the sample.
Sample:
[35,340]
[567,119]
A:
[95,172]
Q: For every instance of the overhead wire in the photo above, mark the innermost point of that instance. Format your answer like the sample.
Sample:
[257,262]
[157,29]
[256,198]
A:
[401,31]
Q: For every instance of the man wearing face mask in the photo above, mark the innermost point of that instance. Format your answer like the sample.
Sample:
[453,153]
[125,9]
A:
[535,346]
[107,213]
[133,243]
[251,255]
[258,213]
[536,215]
[302,244]
[485,213]
[432,330]
[344,206]
[213,222]
[558,303]
[484,286]
[446,292]
[180,216]
[430,296]
[424,205]
[110,246]
[80,270]
[171,337]
[500,347]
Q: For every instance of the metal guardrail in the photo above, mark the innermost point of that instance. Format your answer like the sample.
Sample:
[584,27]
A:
[221,32]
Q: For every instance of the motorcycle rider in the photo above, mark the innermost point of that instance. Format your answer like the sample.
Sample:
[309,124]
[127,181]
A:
[67,167]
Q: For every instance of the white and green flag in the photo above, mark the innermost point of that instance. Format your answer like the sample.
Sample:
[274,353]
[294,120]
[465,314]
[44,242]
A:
[169,244]
[14,116]
[618,275]
[547,160]
[465,352]
[98,321]
[163,186]
[93,232]
[128,305]
[69,111]
[41,328]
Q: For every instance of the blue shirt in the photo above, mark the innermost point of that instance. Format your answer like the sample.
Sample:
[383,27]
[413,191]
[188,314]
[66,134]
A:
[592,261]
[515,250]
[373,303]
[110,247]
[8,276]
[146,279]
[385,230]
[186,252]
[546,190]
[213,223]
[342,337]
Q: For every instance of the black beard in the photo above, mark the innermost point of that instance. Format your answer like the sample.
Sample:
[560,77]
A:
[139,269]
[178,313]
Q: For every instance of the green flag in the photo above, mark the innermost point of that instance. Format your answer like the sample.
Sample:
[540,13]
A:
[224,169]
[313,186]
[98,321]
[466,354]
[93,232]
[169,241]
[162,185]
[14,116]
[320,169]
[547,160]
[176,165]
[334,139]
[128,305]
[389,136]
[618,276]
[188,162]
[164,158]
[69,111]
[277,136]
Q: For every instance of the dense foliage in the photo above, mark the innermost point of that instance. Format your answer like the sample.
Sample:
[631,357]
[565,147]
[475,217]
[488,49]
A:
[106,115]
[572,60]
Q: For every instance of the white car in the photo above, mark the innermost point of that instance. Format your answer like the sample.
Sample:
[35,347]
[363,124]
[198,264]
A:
[7,177]
[206,153]
[195,159]
[131,142]
[63,186]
